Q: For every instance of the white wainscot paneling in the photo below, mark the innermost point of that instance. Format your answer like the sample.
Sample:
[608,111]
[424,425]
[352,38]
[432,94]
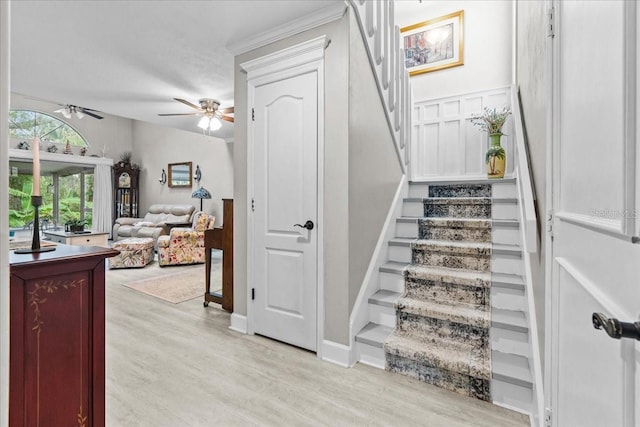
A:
[445,144]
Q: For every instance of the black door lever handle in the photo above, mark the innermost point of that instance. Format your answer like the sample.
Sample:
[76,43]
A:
[308,225]
[615,328]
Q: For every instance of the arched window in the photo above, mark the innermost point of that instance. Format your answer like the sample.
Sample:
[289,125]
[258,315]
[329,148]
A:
[24,125]
[67,191]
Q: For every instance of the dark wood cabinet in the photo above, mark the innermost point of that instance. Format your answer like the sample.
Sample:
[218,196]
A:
[57,337]
[126,193]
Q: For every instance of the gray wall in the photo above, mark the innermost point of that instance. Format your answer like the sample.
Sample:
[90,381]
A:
[532,78]
[374,168]
[155,146]
[336,196]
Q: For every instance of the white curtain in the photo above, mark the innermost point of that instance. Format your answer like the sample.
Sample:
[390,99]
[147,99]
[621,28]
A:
[102,199]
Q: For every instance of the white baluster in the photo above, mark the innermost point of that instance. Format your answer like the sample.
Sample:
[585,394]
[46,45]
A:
[402,105]
[398,56]
[370,24]
[386,44]
[393,59]
[377,40]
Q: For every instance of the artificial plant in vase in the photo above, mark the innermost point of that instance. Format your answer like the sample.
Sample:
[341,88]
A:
[492,121]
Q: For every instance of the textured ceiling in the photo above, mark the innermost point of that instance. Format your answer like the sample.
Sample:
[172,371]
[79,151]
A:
[130,58]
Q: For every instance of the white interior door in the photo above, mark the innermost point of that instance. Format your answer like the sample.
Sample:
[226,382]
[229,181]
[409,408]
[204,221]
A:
[594,379]
[285,181]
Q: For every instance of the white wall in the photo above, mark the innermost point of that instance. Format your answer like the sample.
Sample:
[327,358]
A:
[487,46]
[154,147]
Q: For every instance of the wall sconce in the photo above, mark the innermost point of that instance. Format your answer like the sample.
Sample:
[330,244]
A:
[198,174]
[163,177]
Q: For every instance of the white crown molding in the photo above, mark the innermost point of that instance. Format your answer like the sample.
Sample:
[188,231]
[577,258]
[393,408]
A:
[322,16]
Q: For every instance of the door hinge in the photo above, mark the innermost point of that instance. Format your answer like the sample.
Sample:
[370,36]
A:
[253,115]
[547,417]
[551,28]
[550,224]
[253,293]
[253,205]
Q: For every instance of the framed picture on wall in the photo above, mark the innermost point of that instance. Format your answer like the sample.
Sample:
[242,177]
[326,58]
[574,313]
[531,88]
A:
[435,44]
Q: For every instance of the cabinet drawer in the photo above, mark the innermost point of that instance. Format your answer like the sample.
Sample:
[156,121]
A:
[57,239]
[97,240]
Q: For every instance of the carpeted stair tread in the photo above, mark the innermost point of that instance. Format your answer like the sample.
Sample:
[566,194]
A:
[460,190]
[447,355]
[459,200]
[468,314]
[455,222]
[449,275]
[471,248]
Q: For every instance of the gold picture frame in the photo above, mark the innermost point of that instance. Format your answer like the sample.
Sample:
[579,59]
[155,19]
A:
[435,44]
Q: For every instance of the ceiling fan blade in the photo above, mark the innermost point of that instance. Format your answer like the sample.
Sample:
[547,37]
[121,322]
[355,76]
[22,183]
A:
[89,109]
[226,110]
[179,114]
[197,107]
[89,113]
[227,118]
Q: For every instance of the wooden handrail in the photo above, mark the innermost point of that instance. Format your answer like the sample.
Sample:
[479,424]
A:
[525,181]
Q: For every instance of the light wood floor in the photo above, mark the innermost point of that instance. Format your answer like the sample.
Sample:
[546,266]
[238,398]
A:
[179,365]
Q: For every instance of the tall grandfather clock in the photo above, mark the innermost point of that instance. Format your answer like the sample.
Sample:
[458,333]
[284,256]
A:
[125,190]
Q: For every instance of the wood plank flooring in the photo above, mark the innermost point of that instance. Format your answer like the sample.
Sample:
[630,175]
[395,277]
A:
[179,365]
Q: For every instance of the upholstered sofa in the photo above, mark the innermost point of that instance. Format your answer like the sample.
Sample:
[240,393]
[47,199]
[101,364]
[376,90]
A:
[154,223]
[185,245]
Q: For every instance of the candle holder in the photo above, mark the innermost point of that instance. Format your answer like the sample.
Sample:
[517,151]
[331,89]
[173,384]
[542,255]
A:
[36,202]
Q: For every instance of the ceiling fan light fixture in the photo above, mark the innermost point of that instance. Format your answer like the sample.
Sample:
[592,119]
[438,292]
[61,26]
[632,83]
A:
[215,124]
[79,114]
[66,113]
[204,123]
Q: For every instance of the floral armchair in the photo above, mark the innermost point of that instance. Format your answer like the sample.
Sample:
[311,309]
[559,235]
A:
[185,245]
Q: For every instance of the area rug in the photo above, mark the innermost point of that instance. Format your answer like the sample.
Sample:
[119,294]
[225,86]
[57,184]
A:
[179,286]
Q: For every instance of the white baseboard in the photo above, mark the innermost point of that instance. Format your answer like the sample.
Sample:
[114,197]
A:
[238,323]
[338,354]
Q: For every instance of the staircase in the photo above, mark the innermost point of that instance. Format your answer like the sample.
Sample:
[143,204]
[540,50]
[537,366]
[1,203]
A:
[451,308]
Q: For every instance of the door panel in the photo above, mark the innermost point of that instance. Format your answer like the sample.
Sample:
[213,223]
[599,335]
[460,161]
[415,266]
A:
[285,192]
[596,265]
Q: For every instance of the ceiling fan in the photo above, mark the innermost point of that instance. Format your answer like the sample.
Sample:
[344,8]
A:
[210,111]
[67,110]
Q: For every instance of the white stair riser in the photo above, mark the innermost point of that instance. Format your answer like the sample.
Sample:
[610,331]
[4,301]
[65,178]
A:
[385,316]
[370,355]
[511,395]
[413,209]
[504,211]
[418,190]
[508,299]
[504,190]
[407,229]
[510,342]
[506,264]
[392,282]
[505,235]
[400,253]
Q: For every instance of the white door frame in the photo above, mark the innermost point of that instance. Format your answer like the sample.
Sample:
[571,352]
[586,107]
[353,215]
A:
[290,62]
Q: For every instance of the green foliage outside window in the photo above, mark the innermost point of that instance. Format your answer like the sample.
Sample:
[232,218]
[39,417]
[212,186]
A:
[25,125]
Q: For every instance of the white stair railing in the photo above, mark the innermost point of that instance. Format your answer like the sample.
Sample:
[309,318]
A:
[382,38]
